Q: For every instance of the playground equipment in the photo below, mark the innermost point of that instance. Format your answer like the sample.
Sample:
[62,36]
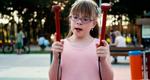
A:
[56,8]
[144,38]
[135,64]
[148,62]
[105,7]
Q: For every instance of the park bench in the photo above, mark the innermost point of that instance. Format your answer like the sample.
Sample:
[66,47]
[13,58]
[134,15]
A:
[123,51]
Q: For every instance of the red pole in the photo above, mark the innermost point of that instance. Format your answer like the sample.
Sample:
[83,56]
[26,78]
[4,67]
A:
[56,8]
[105,7]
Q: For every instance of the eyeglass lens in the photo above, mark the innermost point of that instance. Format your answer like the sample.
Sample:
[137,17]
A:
[84,19]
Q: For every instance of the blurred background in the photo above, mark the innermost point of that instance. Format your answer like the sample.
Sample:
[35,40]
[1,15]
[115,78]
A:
[36,17]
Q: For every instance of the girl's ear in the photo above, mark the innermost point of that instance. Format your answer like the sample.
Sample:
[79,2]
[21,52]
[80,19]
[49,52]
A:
[94,23]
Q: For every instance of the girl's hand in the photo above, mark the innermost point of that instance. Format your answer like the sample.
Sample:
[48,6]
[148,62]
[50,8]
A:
[57,47]
[102,51]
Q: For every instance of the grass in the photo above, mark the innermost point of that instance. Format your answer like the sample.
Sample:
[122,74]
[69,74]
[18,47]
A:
[31,52]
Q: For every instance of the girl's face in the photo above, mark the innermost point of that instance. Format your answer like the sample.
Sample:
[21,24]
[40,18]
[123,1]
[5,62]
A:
[81,28]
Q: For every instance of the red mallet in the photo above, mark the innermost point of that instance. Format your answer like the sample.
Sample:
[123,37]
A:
[105,7]
[56,8]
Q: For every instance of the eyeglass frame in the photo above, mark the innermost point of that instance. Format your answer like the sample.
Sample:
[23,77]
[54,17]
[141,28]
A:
[80,18]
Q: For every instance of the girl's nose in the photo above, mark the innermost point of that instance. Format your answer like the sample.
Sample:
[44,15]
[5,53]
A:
[79,22]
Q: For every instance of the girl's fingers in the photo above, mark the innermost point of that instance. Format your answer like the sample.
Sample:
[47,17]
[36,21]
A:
[55,38]
[97,45]
[101,52]
[105,43]
[62,42]
[58,47]
[58,43]
[101,55]
[57,51]
[101,48]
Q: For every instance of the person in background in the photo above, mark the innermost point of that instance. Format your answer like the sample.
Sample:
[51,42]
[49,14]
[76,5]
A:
[135,41]
[41,41]
[112,37]
[119,42]
[20,37]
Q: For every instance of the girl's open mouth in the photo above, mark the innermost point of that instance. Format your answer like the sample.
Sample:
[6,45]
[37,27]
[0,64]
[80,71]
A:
[78,29]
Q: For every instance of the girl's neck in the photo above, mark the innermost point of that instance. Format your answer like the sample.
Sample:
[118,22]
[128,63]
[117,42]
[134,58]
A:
[80,42]
[81,39]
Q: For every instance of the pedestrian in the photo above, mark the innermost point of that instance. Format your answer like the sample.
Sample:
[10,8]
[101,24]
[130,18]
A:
[20,37]
[119,42]
[135,41]
[41,41]
[112,37]
[80,50]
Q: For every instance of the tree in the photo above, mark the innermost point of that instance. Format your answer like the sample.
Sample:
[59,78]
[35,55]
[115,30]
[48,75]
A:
[130,8]
[3,6]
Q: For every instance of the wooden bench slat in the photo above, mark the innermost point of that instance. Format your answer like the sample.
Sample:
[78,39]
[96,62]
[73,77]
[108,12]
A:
[126,48]
[122,51]
[119,53]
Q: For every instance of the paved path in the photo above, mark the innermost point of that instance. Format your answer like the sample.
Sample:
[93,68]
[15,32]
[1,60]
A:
[36,66]
[37,48]
[24,67]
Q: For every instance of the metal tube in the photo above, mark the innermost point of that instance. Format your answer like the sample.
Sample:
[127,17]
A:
[100,1]
[144,65]
[56,8]
[105,7]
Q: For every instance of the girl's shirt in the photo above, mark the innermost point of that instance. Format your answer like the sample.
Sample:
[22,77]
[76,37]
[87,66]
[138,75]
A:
[80,64]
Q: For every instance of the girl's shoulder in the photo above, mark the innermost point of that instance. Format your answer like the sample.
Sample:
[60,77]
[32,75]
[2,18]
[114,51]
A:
[97,40]
[65,40]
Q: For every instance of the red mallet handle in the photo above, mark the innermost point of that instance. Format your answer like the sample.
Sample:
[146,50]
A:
[56,8]
[105,7]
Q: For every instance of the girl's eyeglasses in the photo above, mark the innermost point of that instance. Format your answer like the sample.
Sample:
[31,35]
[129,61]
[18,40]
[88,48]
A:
[83,19]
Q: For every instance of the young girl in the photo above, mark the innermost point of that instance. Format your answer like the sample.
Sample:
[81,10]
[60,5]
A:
[80,50]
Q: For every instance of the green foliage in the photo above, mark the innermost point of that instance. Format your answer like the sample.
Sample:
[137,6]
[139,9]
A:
[3,5]
[131,8]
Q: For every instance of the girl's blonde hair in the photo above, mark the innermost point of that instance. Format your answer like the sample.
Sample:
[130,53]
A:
[89,8]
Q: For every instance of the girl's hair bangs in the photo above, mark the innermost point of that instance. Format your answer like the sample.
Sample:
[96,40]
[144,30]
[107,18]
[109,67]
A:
[85,8]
